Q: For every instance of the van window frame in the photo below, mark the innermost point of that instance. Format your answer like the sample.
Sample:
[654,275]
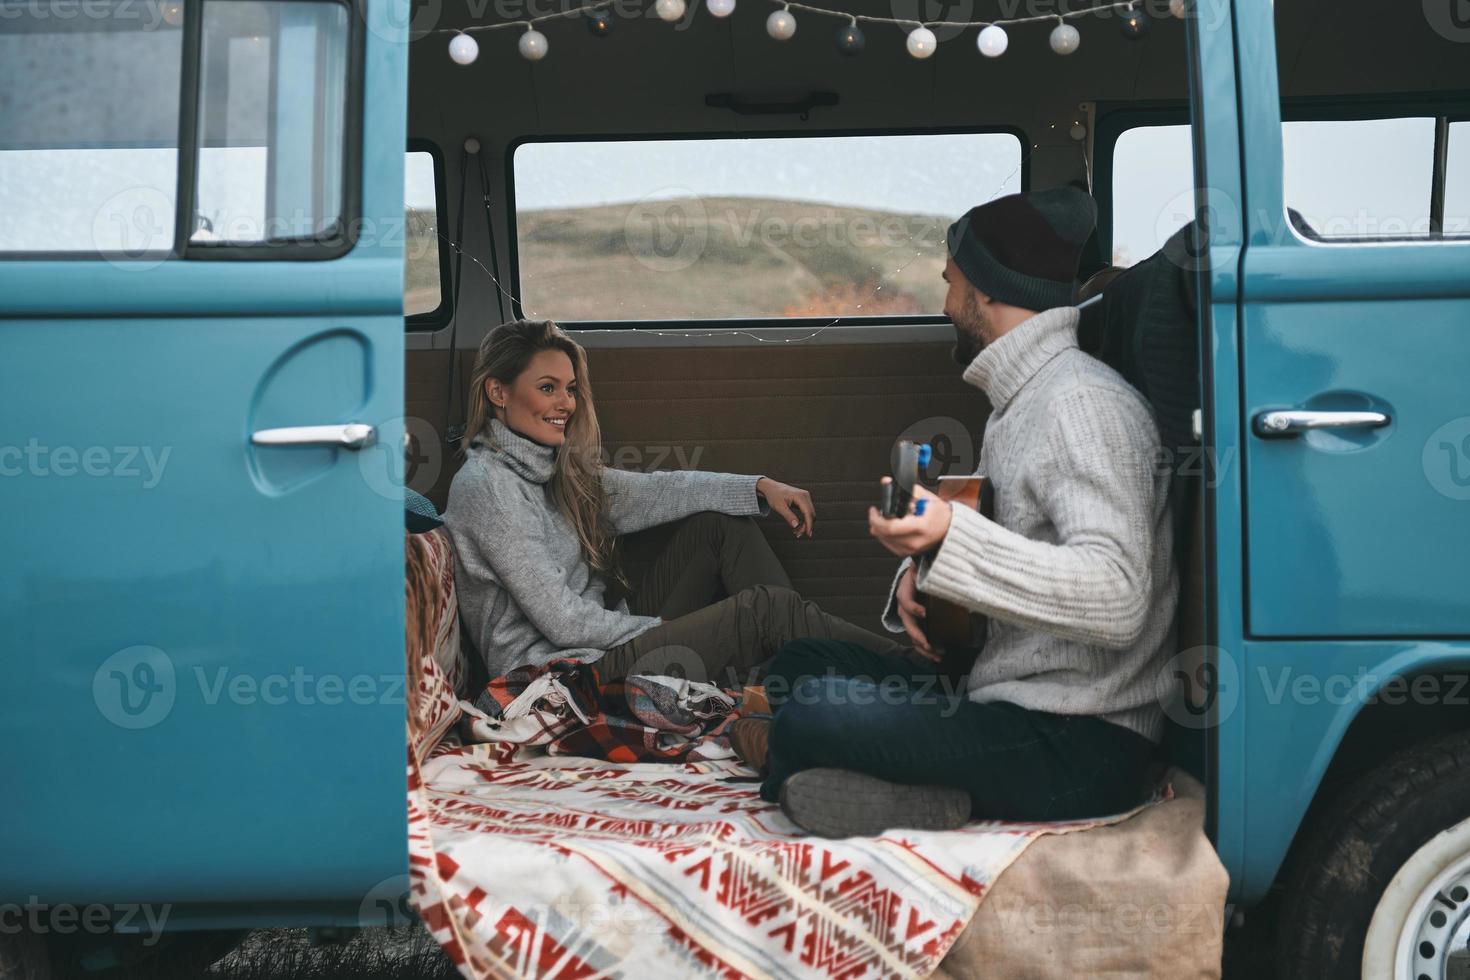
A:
[733,323]
[440,316]
[332,244]
[1113,120]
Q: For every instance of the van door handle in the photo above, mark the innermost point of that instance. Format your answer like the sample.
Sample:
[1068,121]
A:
[353,435]
[1293,422]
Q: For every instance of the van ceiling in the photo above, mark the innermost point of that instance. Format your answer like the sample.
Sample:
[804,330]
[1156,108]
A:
[652,77]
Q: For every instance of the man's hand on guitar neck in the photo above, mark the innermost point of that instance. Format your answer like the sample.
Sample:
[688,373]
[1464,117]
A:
[911,611]
[912,534]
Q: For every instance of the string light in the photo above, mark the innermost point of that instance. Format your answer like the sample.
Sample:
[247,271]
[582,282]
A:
[1064,37]
[921,42]
[1134,24]
[532,45]
[850,39]
[993,41]
[599,23]
[464,49]
[781,25]
[1176,9]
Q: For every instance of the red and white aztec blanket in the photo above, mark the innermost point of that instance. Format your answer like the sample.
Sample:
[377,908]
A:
[529,865]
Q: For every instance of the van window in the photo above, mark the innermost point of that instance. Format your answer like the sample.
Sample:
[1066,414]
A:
[1153,189]
[89,167]
[272,121]
[694,229]
[1345,180]
[1457,181]
[422,274]
[1360,178]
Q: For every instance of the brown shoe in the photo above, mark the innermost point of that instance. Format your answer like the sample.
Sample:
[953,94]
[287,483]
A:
[751,740]
[754,701]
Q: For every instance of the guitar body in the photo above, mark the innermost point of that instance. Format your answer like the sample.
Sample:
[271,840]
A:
[952,629]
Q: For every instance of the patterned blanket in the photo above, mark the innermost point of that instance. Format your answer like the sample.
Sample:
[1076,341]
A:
[526,864]
[569,709]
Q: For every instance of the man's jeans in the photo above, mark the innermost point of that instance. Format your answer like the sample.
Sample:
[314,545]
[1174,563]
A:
[842,706]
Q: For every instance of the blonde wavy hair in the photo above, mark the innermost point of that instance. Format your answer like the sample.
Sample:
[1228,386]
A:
[576,483]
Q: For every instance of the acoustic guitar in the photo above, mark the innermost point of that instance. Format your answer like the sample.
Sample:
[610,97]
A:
[955,632]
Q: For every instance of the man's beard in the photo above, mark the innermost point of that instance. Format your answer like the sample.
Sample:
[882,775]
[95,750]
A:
[967,342]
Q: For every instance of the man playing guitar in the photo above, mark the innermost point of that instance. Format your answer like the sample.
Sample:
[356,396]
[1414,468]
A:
[1059,715]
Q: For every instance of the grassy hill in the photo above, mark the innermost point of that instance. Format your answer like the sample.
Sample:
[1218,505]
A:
[421,262]
[728,257]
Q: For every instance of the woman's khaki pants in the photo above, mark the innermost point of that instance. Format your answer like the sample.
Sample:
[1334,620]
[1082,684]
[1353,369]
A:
[727,606]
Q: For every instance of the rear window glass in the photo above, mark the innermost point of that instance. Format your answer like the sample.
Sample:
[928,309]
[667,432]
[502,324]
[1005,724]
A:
[422,289]
[1359,178]
[1153,190]
[697,229]
[1344,180]
[1457,180]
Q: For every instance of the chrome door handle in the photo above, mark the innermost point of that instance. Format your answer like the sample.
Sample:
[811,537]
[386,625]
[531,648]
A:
[353,435]
[1292,422]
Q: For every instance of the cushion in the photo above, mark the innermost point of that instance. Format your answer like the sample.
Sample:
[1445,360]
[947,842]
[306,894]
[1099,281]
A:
[1141,898]
[431,616]
[419,513]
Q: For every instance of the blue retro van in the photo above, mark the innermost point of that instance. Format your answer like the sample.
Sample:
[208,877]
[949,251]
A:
[247,249]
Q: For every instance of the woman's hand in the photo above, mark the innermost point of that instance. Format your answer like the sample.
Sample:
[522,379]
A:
[912,534]
[793,504]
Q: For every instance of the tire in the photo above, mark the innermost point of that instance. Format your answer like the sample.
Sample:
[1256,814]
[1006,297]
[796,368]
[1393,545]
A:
[1404,823]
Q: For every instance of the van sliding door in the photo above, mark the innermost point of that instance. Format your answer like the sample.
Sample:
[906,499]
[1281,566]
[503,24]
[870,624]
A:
[201,359]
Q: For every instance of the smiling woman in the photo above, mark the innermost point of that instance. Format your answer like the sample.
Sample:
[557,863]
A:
[535,517]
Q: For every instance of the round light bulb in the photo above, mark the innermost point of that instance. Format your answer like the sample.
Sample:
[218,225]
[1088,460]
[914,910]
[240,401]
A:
[599,23]
[463,49]
[173,13]
[669,10]
[1065,39]
[1078,132]
[993,41]
[1134,23]
[1176,8]
[921,42]
[781,25]
[851,40]
[720,8]
[532,45]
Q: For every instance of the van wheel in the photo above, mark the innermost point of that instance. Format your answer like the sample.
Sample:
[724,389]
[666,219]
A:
[1382,885]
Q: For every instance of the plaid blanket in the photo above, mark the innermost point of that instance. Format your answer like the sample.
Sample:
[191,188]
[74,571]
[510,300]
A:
[567,707]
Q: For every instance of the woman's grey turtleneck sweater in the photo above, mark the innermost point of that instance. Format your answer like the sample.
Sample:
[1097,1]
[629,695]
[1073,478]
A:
[525,593]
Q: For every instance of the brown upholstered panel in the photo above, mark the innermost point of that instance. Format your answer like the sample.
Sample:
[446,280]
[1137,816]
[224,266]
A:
[819,417]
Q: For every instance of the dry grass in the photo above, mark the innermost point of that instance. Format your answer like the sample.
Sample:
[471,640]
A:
[728,257]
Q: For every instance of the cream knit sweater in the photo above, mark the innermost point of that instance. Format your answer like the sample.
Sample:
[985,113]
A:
[1076,572]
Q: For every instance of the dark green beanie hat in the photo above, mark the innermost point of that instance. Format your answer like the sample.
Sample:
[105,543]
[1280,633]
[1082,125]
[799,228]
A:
[1024,249]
